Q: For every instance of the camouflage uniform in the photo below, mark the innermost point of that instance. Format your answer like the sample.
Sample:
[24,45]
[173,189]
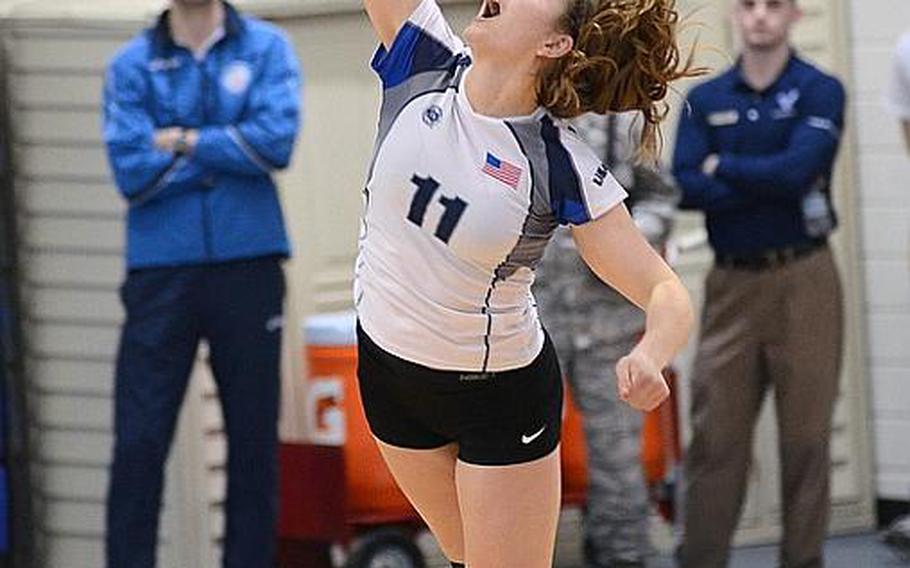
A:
[592,327]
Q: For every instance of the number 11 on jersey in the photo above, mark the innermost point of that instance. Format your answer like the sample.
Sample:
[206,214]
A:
[454,207]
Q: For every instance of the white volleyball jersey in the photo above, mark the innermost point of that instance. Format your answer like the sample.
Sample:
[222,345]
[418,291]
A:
[459,208]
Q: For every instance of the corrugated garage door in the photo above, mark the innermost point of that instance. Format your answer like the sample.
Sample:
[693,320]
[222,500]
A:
[71,252]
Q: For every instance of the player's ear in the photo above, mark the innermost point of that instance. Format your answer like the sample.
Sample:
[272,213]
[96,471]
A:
[556,45]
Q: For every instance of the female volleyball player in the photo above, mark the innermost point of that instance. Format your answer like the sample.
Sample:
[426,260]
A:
[473,169]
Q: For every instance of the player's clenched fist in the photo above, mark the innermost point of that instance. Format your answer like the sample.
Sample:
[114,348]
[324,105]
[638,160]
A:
[640,381]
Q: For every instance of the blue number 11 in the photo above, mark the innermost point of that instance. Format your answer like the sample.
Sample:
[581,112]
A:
[454,207]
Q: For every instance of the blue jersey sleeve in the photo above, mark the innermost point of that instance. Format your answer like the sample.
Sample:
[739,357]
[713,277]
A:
[425,42]
[580,185]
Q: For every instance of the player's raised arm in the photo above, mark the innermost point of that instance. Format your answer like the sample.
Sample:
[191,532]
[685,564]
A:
[618,253]
[388,16]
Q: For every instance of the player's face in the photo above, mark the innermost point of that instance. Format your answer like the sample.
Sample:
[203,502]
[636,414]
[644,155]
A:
[765,24]
[515,30]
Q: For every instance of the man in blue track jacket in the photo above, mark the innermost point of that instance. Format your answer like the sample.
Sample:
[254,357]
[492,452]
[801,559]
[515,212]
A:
[755,152]
[199,111]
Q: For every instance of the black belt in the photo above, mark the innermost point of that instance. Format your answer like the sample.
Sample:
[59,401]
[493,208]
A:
[770,258]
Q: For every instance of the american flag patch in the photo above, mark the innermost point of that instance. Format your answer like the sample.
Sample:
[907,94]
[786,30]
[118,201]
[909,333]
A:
[503,171]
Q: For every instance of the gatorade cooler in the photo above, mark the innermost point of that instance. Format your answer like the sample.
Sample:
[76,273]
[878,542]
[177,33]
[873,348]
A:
[574,458]
[335,488]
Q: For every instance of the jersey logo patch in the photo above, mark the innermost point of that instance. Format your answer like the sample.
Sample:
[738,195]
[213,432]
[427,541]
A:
[432,116]
[502,171]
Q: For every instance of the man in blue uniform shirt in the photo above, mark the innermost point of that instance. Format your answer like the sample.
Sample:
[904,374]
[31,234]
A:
[755,152]
[199,111]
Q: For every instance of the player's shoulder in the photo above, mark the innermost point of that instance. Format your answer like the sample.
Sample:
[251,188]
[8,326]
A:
[429,19]
[574,142]
[583,166]
[554,145]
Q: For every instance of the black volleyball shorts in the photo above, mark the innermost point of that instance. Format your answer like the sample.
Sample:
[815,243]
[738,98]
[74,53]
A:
[498,418]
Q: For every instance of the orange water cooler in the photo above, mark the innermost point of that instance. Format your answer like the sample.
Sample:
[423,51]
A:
[339,504]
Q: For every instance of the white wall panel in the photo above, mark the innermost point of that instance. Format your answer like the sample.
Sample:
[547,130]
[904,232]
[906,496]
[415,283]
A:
[884,164]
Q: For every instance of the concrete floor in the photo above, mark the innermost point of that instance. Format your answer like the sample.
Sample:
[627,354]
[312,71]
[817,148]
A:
[859,551]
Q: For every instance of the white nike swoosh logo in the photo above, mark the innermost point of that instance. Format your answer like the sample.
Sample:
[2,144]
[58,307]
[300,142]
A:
[528,439]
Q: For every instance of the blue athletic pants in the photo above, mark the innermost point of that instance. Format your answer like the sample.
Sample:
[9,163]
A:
[237,309]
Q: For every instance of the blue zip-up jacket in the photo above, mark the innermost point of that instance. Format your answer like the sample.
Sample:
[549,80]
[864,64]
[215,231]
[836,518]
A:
[219,203]
[774,147]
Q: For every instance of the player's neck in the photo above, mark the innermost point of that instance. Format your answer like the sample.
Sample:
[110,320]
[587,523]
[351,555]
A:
[495,93]
[192,26]
[761,67]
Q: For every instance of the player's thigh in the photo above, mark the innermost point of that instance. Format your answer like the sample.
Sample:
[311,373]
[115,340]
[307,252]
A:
[427,478]
[510,513]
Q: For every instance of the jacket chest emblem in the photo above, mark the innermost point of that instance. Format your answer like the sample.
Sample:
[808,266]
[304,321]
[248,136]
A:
[236,77]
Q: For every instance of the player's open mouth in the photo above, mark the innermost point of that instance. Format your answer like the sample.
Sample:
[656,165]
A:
[490,9]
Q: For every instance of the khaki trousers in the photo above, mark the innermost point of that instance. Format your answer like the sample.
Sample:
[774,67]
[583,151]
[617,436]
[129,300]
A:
[779,328]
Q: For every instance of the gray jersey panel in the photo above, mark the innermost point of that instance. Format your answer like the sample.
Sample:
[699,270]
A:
[540,223]
[394,100]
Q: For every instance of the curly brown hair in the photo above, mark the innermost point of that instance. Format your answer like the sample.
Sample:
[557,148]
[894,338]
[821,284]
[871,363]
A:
[624,58]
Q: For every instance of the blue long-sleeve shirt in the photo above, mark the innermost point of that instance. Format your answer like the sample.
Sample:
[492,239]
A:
[219,203]
[774,147]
